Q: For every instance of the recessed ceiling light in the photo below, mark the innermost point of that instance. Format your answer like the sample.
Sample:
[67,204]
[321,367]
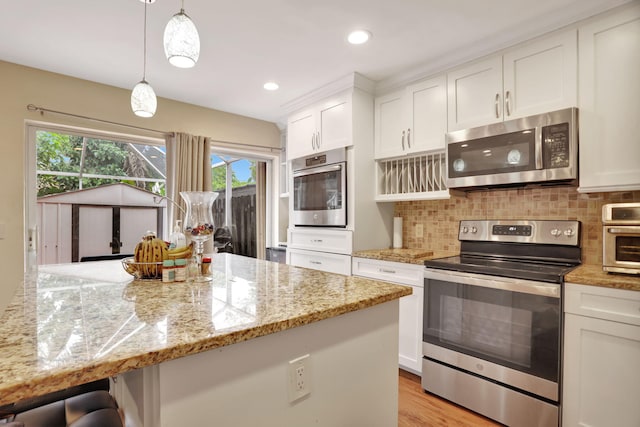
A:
[359,36]
[271,86]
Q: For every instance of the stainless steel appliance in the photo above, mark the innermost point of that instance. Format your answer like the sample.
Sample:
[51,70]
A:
[493,319]
[541,148]
[320,190]
[621,238]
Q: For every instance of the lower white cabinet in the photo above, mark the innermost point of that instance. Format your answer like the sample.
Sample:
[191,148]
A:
[323,261]
[601,366]
[410,320]
[320,239]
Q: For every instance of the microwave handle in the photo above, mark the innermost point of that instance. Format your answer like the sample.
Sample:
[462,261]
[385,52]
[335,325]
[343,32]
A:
[319,169]
[623,230]
[538,148]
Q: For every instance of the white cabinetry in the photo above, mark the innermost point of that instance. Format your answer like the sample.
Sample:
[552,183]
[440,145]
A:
[609,104]
[533,78]
[410,318]
[413,120]
[321,127]
[321,249]
[601,380]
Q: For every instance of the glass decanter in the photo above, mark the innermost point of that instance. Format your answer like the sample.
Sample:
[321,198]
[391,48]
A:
[198,223]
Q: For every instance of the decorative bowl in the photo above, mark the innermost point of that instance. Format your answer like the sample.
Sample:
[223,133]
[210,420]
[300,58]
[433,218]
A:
[143,270]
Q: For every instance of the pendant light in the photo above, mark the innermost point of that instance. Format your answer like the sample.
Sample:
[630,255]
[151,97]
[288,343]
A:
[181,40]
[143,98]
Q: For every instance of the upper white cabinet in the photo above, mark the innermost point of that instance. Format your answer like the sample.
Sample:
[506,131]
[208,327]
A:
[609,106]
[412,120]
[601,379]
[324,126]
[533,78]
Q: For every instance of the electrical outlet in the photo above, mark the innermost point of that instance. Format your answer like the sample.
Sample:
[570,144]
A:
[419,231]
[299,378]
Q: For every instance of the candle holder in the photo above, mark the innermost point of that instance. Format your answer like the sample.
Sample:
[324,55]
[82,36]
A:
[198,223]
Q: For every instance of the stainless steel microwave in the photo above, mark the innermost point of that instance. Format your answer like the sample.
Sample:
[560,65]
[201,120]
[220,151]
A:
[534,149]
[320,190]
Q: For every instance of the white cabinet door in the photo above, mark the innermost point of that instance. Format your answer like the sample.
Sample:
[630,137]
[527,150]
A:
[410,331]
[322,127]
[389,125]
[601,373]
[533,78]
[334,124]
[411,306]
[541,76]
[475,94]
[426,112]
[609,104]
[301,130]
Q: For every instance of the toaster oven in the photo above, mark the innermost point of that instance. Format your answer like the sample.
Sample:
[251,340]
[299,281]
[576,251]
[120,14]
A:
[621,238]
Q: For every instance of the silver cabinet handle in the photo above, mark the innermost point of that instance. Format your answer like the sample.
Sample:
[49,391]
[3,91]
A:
[402,140]
[315,262]
[316,240]
[409,138]
[384,270]
[497,104]
[313,141]
[507,101]
[318,140]
[623,230]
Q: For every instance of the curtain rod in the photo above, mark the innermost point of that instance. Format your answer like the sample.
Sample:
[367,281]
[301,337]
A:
[42,110]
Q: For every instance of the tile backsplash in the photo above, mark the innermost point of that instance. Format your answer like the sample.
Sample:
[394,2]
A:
[440,218]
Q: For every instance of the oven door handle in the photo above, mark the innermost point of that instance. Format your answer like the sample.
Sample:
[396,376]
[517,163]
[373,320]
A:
[623,230]
[494,282]
[319,169]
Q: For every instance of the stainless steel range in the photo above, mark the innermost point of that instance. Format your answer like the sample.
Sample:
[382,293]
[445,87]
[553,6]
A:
[493,319]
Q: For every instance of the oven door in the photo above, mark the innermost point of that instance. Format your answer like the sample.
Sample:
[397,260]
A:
[621,252]
[506,330]
[319,196]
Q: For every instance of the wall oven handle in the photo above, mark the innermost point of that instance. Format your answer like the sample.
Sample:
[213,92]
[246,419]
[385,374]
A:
[623,230]
[501,283]
[538,148]
[319,169]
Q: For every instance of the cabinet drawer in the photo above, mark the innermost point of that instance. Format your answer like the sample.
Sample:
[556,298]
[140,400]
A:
[618,305]
[333,241]
[397,272]
[330,263]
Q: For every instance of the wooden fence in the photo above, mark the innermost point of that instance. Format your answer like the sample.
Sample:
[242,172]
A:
[243,217]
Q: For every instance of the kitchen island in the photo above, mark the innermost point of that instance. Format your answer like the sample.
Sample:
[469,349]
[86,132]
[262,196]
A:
[183,353]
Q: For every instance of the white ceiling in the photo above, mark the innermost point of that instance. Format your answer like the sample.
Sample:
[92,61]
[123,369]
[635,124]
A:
[300,44]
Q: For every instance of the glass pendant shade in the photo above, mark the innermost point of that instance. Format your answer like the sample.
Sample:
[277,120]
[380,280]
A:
[143,100]
[181,41]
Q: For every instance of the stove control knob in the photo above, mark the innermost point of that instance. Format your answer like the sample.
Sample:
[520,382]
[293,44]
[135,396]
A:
[569,232]
[474,230]
[556,233]
[465,230]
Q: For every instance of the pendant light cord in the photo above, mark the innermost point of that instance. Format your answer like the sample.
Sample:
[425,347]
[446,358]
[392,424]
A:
[144,60]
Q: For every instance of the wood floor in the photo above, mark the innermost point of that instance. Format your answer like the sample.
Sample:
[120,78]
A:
[419,409]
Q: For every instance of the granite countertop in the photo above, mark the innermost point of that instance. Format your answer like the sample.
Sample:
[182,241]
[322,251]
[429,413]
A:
[74,323]
[410,256]
[592,274]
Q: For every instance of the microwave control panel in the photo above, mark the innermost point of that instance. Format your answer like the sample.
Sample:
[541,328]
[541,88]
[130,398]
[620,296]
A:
[555,146]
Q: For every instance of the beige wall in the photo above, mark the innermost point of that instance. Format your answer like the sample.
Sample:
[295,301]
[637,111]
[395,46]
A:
[20,86]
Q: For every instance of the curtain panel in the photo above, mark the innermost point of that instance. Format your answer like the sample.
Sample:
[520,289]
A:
[188,169]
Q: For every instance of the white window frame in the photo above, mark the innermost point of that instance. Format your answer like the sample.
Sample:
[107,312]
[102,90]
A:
[30,183]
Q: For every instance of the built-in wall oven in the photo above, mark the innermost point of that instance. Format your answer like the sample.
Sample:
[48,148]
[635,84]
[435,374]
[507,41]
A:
[621,238]
[493,319]
[320,190]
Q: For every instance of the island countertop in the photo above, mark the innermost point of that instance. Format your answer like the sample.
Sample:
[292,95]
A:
[74,323]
